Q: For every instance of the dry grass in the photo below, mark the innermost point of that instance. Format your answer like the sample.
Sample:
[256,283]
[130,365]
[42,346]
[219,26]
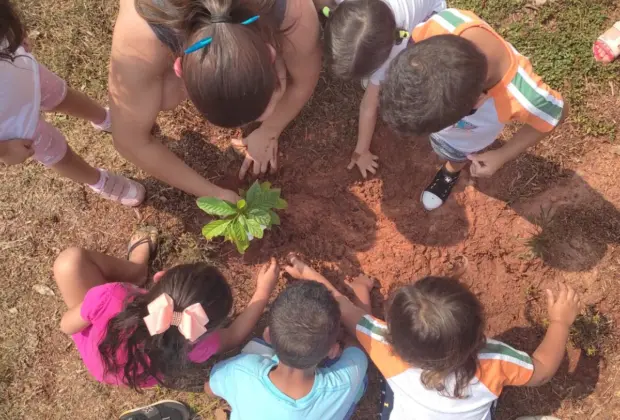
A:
[41,374]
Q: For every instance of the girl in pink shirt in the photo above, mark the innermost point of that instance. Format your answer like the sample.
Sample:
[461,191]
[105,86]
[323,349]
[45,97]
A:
[28,88]
[136,337]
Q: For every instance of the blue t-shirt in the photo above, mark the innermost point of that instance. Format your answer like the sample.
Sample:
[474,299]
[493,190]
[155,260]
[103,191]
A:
[244,382]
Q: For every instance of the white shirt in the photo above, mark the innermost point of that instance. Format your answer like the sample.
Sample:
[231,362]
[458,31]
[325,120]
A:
[20,96]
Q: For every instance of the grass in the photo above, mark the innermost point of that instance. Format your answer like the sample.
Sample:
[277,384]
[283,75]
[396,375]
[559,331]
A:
[558,38]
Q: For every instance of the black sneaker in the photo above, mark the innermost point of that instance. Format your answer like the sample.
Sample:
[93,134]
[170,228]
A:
[161,410]
[438,191]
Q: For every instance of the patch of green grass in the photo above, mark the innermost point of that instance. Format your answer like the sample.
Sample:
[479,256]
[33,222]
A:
[558,38]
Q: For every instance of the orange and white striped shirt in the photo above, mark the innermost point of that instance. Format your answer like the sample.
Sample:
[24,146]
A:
[520,96]
[499,365]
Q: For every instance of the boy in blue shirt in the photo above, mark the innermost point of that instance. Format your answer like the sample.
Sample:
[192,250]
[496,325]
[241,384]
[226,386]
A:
[304,325]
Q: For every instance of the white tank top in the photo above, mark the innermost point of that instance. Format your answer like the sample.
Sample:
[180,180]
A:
[20,96]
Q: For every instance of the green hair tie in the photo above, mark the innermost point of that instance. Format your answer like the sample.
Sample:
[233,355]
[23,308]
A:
[326,11]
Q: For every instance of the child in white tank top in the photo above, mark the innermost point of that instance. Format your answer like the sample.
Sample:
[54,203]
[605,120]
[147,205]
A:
[28,88]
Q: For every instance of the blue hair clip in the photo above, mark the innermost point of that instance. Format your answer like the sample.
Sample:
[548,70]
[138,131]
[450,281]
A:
[204,42]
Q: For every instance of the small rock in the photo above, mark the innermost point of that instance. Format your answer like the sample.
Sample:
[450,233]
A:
[43,290]
[13,311]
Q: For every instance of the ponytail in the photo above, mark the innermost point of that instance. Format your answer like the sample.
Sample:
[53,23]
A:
[231,76]
[162,356]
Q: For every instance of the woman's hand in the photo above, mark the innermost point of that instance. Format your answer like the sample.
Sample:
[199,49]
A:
[15,151]
[260,148]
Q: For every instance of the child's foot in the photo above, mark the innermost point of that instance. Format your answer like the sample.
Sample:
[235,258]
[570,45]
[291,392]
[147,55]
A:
[106,125]
[438,191]
[142,247]
[120,189]
[165,409]
[607,47]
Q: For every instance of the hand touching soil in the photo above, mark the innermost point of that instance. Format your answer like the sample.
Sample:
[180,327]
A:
[566,307]
[268,277]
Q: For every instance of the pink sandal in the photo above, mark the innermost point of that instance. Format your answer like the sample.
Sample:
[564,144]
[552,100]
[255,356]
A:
[607,47]
[120,189]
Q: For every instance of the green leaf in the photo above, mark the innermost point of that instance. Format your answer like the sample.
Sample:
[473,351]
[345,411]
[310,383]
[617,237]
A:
[216,207]
[255,229]
[265,186]
[215,228]
[241,204]
[239,237]
[253,194]
[275,219]
[261,216]
[281,204]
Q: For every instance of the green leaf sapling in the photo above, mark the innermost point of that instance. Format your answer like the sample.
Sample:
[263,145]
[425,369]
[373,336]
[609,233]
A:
[245,220]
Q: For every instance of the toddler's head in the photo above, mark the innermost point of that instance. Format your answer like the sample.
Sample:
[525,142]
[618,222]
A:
[12,32]
[437,325]
[160,349]
[432,84]
[304,324]
[359,36]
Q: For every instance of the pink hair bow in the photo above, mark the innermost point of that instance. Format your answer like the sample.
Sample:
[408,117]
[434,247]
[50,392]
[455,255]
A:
[191,322]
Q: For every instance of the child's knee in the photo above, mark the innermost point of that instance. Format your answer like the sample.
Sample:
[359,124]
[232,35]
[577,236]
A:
[67,261]
[50,145]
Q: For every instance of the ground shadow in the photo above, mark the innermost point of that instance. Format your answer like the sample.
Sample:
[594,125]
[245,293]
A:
[575,223]
[569,383]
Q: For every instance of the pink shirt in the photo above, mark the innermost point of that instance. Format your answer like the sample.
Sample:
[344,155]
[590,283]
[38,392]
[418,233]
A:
[101,304]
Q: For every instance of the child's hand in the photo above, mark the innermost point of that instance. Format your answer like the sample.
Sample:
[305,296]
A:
[366,162]
[298,269]
[16,151]
[483,165]
[268,277]
[362,281]
[565,308]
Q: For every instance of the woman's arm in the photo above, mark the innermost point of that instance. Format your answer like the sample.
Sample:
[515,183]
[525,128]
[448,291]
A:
[136,82]
[302,56]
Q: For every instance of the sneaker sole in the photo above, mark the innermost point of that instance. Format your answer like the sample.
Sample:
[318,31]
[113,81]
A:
[185,410]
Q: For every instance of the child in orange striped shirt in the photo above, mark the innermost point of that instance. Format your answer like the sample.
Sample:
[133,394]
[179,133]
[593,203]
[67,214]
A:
[434,356]
[459,82]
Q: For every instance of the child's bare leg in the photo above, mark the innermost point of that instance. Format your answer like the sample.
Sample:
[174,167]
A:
[362,286]
[76,270]
[81,106]
[455,166]
[74,167]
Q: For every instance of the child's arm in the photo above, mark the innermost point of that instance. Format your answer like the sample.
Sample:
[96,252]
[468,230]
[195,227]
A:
[72,321]
[549,354]
[369,110]
[15,151]
[487,163]
[351,314]
[241,328]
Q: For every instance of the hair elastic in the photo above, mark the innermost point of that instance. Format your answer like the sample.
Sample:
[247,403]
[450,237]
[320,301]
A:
[326,11]
[204,42]
[400,35]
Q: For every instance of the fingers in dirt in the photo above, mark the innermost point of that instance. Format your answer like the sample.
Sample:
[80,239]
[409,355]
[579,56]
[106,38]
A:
[245,166]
